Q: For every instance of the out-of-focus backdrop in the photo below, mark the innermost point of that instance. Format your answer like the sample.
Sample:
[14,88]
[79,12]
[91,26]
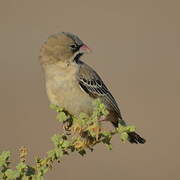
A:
[136,50]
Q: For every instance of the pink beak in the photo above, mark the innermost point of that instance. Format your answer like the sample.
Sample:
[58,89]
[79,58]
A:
[85,49]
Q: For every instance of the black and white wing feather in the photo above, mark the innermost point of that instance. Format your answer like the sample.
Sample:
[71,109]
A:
[92,84]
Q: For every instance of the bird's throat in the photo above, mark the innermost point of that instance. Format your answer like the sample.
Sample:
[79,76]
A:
[77,57]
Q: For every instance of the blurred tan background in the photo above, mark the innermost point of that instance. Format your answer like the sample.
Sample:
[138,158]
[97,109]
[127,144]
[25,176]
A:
[136,50]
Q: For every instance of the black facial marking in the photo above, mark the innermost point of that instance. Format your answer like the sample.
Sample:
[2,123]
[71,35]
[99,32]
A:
[74,48]
[77,57]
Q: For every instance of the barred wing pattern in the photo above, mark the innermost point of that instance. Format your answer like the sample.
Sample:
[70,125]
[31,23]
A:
[92,84]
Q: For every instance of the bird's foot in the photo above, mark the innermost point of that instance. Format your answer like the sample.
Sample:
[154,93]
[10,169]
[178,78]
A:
[67,125]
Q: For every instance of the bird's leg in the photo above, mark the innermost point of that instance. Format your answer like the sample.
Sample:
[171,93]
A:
[67,124]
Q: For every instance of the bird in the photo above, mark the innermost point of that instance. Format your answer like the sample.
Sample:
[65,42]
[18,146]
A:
[74,85]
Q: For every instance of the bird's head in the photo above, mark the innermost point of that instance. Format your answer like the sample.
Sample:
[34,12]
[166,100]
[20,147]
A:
[63,47]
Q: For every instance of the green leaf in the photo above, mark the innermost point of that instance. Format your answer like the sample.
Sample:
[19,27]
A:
[5,155]
[56,108]
[37,177]
[59,153]
[57,140]
[124,136]
[51,153]
[61,117]
[55,153]
[106,134]
[1,175]
[82,119]
[83,116]
[127,129]
[21,166]
[66,144]
[96,102]
[122,129]
[26,178]
[131,128]
[82,152]
[30,171]
[12,174]
[110,147]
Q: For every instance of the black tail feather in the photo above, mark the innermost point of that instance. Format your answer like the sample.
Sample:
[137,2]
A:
[135,138]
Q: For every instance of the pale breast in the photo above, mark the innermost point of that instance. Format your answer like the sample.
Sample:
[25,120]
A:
[63,89]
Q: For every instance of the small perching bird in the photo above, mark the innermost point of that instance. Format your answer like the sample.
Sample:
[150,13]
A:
[74,85]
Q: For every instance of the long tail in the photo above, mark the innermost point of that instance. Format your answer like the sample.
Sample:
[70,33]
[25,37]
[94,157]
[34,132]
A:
[135,138]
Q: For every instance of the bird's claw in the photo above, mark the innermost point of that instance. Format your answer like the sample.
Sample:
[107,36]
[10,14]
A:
[67,125]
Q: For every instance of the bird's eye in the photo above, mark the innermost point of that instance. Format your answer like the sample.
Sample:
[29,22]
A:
[73,46]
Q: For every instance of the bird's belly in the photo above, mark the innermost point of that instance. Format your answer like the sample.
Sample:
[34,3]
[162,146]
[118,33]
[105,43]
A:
[69,95]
